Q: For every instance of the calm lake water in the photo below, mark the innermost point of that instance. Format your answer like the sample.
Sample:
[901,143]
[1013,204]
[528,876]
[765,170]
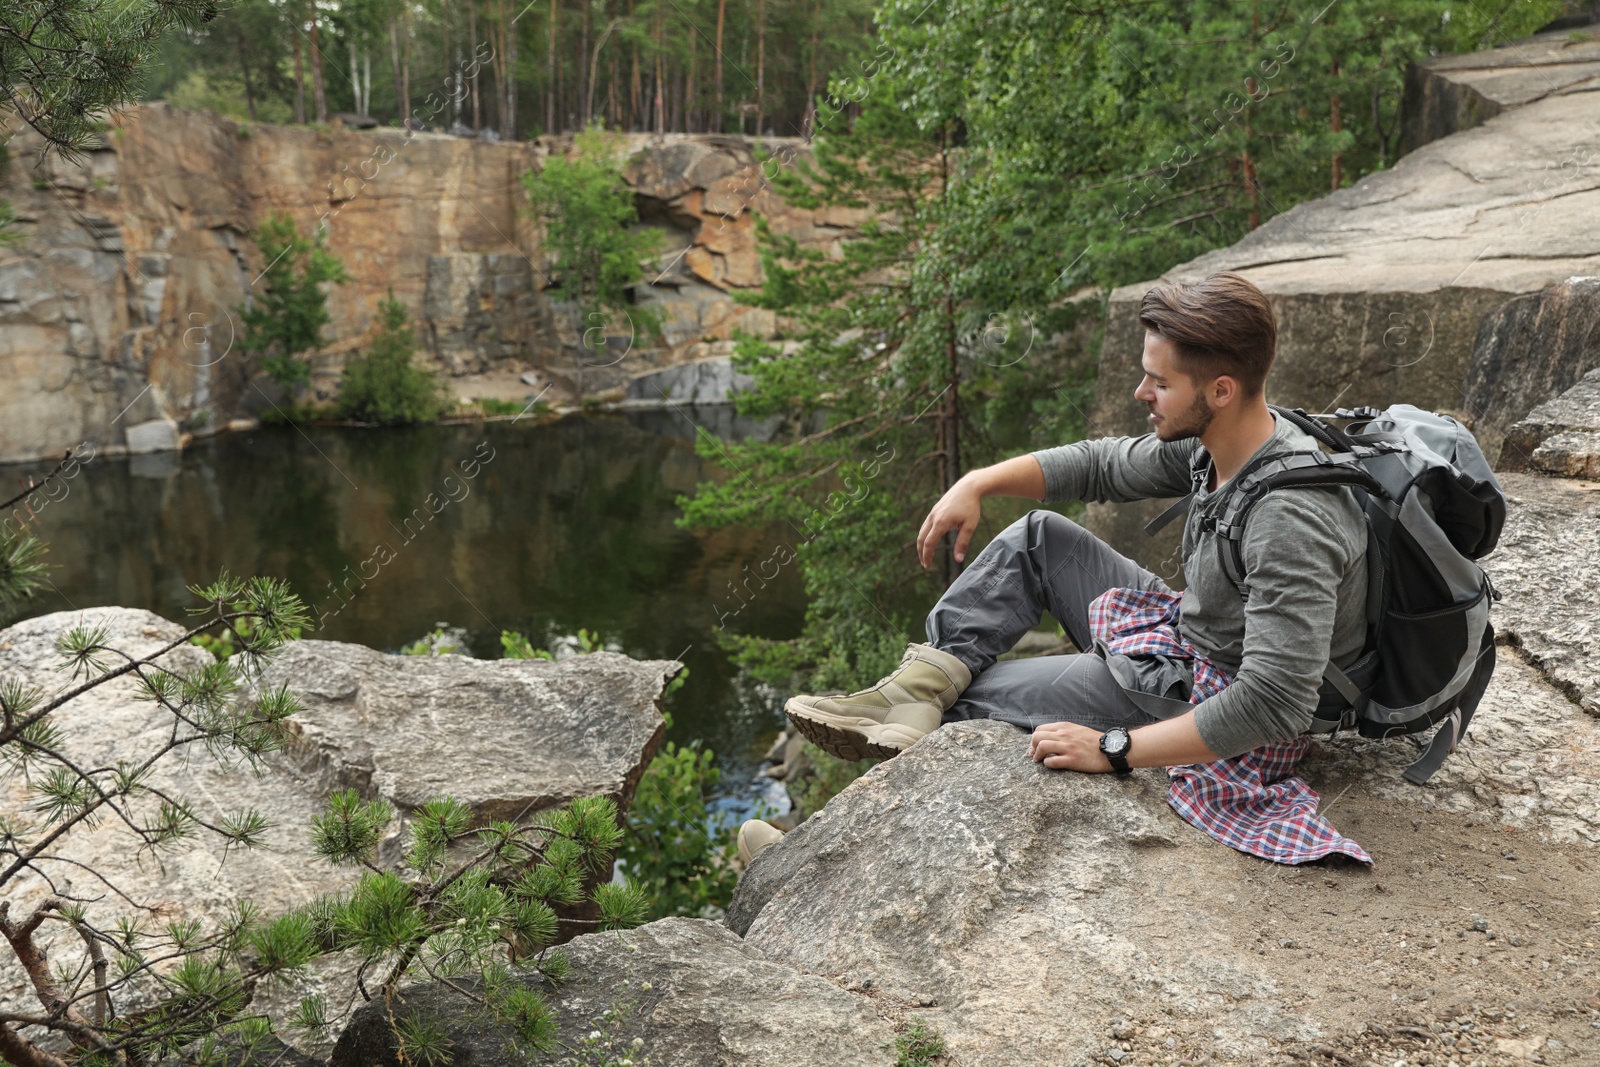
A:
[561,526]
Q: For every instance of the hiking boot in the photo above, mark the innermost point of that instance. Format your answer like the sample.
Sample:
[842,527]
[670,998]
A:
[891,716]
[755,836]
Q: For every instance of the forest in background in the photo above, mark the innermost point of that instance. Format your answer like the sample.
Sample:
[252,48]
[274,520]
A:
[519,68]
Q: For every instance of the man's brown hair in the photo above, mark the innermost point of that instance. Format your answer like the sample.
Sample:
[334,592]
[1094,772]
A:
[1222,325]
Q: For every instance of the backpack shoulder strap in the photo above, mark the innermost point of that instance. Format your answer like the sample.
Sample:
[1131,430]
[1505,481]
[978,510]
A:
[1325,432]
[1281,470]
[1199,472]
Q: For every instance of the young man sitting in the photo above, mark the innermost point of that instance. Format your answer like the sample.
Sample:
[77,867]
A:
[1164,680]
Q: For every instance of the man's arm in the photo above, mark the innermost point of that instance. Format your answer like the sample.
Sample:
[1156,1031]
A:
[961,506]
[1017,476]
[1112,468]
[1066,746]
[1117,469]
[1297,550]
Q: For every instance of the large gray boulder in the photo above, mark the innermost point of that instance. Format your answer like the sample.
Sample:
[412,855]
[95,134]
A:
[1548,569]
[509,737]
[689,990]
[1448,94]
[1035,916]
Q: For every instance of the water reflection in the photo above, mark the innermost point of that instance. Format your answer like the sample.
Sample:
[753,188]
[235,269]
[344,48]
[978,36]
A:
[543,529]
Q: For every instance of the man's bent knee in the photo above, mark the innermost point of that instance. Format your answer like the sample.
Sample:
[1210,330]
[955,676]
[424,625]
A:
[1056,525]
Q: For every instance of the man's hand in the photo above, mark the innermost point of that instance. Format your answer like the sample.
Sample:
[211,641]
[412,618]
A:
[1066,746]
[959,509]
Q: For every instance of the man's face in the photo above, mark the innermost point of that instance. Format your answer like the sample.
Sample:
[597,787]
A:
[1178,406]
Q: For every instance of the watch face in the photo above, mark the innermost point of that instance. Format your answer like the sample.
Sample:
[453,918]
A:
[1116,742]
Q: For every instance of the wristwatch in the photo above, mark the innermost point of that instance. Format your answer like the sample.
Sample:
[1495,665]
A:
[1114,745]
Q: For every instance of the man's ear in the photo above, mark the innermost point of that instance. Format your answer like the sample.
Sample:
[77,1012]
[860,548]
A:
[1224,390]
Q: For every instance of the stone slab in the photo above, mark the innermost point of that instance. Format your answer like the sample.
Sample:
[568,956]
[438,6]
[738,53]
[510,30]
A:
[1547,568]
[1574,412]
[509,737]
[156,435]
[695,994]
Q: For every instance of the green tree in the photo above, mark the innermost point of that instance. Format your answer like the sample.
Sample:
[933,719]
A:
[237,64]
[673,851]
[288,312]
[188,977]
[897,342]
[383,385]
[1118,140]
[64,63]
[596,251]
[467,900]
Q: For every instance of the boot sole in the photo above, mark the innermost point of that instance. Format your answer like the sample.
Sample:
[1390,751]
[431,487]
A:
[849,737]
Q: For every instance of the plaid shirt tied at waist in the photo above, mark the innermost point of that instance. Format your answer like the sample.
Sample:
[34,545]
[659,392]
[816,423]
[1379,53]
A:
[1252,802]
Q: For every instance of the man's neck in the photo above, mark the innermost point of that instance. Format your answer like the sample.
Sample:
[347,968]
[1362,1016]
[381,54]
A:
[1231,443]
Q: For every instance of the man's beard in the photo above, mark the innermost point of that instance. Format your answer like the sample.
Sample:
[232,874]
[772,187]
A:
[1193,423]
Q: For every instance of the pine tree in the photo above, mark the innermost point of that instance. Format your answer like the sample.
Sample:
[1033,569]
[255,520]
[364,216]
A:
[895,346]
[383,385]
[596,252]
[286,316]
[64,63]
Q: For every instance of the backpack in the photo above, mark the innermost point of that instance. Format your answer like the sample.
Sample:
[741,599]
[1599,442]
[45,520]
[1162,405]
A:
[1432,507]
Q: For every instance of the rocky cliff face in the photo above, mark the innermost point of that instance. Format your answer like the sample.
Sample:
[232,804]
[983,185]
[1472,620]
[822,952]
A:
[121,308]
[1529,350]
[1448,94]
[1381,289]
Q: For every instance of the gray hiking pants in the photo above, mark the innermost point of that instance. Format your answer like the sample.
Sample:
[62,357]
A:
[1041,562]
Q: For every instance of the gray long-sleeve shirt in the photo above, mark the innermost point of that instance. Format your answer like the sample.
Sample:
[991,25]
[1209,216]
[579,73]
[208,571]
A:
[1306,572]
